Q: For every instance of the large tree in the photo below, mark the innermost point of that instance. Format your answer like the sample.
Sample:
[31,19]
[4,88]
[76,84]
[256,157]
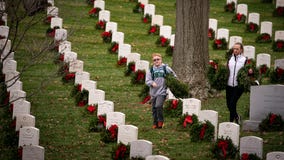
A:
[191,56]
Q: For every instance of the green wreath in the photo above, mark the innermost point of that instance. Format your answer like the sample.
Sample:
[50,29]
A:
[246,156]
[120,152]
[277,76]
[224,148]
[239,18]
[202,132]
[278,46]
[252,27]
[138,77]
[246,79]
[220,44]
[178,88]
[173,108]
[97,123]
[272,122]
[230,7]
[186,121]
[130,68]
[263,38]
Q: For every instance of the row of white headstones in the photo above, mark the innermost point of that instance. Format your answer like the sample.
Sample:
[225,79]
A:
[25,122]
[104,107]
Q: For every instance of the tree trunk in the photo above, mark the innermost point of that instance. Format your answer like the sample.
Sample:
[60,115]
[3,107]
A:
[191,56]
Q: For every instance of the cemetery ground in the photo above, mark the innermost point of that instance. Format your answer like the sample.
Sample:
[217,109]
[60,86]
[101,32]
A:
[64,126]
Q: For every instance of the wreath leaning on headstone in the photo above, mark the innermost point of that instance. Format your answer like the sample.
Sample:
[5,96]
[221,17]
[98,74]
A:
[202,131]
[224,148]
[173,108]
[272,122]
[120,152]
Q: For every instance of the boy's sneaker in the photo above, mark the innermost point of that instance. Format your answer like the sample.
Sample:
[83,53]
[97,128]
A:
[154,126]
[160,124]
[238,120]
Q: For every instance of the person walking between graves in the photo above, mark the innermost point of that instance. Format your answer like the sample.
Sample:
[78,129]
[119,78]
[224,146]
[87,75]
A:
[155,79]
[233,92]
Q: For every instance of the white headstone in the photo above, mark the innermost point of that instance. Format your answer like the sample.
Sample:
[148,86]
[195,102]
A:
[157,20]
[166,31]
[149,9]
[4,18]
[5,45]
[56,21]
[133,57]
[265,99]
[170,94]
[254,18]
[279,3]
[242,9]
[9,66]
[96,96]
[60,35]
[89,85]
[213,24]
[21,107]
[80,76]
[143,1]
[263,58]
[211,116]
[105,107]
[223,33]
[266,27]
[16,86]
[11,78]
[4,31]
[249,52]
[2,6]
[51,2]
[117,37]
[17,95]
[76,66]
[172,40]
[277,155]
[191,106]
[123,50]
[231,130]
[142,65]
[117,118]
[24,120]
[64,46]
[234,39]
[70,56]
[99,4]
[33,152]
[279,63]
[52,11]
[104,15]
[111,26]
[251,145]
[279,35]
[157,157]
[127,134]
[28,136]
[140,148]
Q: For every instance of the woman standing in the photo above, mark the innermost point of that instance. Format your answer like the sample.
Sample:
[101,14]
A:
[233,92]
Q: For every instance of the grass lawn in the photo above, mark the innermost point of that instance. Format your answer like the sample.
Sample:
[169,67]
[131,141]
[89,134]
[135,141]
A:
[64,126]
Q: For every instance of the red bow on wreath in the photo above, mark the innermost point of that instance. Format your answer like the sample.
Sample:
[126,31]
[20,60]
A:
[224,146]
[188,119]
[174,104]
